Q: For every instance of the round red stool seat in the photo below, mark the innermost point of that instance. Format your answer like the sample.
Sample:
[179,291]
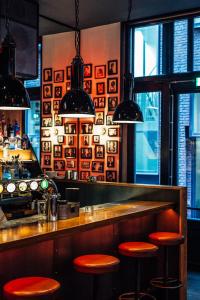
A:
[137,249]
[28,287]
[166,238]
[96,263]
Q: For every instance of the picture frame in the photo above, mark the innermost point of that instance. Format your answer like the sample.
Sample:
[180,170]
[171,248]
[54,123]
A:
[109,120]
[112,85]
[59,165]
[46,146]
[58,92]
[70,140]
[100,178]
[58,120]
[56,104]
[112,103]
[111,176]
[47,160]
[98,166]
[47,74]
[99,102]
[85,140]
[87,86]
[47,122]
[46,108]
[96,139]
[70,164]
[112,147]
[100,88]
[110,161]
[45,133]
[68,72]
[87,70]
[113,132]
[57,151]
[84,175]
[99,119]
[60,139]
[100,72]
[58,76]
[70,152]
[70,128]
[87,128]
[86,153]
[113,67]
[68,86]
[85,165]
[99,151]
[47,91]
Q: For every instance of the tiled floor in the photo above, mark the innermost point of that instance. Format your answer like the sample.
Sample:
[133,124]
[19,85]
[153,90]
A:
[193,286]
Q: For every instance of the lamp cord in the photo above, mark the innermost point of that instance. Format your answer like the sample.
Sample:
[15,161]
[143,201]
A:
[77,32]
[7,21]
[130,7]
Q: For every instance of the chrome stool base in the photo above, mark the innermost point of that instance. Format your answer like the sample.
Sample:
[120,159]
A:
[166,283]
[136,296]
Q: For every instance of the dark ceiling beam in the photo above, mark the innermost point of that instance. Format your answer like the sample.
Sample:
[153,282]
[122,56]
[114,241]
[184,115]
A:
[57,22]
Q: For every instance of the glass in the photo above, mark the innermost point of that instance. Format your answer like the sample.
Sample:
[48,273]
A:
[36,82]
[147,50]
[180,46]
[147,154]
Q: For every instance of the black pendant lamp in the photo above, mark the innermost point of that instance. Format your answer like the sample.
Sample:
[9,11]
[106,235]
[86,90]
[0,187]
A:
[13,95]
[128,111]
[76,103]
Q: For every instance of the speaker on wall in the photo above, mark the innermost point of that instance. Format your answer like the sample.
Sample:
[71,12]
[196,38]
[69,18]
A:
[23,23]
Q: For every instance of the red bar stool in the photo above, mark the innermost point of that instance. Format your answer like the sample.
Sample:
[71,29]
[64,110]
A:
[30,288]
[166,240]
[96,264]
[137,250]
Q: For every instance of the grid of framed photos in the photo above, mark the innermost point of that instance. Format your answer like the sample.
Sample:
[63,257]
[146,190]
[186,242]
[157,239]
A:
[98,138]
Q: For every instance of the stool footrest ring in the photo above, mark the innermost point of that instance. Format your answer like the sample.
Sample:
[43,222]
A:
[136,296]
[166,283]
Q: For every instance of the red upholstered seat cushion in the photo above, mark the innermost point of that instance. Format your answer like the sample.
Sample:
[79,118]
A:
[137,249]
[166,238]
[30,287]
[96,263]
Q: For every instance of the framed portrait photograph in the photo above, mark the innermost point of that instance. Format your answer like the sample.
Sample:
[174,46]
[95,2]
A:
[86,153]
[68,86]
[47,75]
[109,120]
[98,166]
[99,120]
[112,85]
[100,88]
[112,103]
[46,146]
[58,120]
[112,67]
[60,139]
[87,128]
[45,133]
[70,140]
[58,76]
[47,91]
[99,102]
[58,92]
[84,175]
[100,178]
[70,152]
[70,164]
[96,139]
[59,165]
[85,165]
[87,86]
[87,70]
[85,140]
[111,176]
[70,128]
[99,151]
[56,104]
[100,72]
[57,151]
[47,160]
[46,107]
[112,147]
[113,132]
[68,72]
[47,122]
[110,161]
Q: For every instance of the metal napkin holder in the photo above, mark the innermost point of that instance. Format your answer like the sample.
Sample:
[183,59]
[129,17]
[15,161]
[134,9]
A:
[67,210]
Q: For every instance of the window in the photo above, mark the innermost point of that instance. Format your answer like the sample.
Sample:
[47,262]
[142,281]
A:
[180,46]
[196,43]
[37,82]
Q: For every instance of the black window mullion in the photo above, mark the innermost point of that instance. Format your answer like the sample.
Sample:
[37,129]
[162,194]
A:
[168,48]
[190,41]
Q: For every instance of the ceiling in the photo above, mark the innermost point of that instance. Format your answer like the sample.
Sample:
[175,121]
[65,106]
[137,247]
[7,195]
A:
[99,12]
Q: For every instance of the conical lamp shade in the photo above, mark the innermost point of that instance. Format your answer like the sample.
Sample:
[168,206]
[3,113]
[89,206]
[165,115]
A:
[13,95]
[128,111]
